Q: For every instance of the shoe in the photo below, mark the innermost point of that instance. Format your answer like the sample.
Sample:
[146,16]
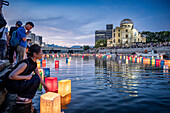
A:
[23,100]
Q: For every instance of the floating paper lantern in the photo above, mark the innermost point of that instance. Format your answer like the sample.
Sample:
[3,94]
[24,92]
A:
[41,72]
[120,57]
[50,103]
[56,64]
[153,61]
[158,62]
[43,55]
[46,72]
[43,63]
[51,83]
[64,87]
[38,64]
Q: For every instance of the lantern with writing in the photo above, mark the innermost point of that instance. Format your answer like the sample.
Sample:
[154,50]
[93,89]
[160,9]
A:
[64,87]
[46,72]
[43,63]
[51,83]
[50,103]
[41,72]
[56,64]
[38,64]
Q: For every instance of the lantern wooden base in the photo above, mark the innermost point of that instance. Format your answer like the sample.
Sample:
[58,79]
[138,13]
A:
[64,87]
[50,103]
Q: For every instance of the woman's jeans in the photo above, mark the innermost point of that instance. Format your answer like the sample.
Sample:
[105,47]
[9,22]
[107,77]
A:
[24,88]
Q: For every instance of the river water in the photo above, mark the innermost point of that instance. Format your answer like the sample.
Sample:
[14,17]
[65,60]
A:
[111,86]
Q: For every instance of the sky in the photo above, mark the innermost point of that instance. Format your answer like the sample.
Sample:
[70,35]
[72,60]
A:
[73,22]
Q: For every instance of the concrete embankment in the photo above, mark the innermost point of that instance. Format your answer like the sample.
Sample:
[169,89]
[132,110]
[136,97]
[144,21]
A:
[131,50]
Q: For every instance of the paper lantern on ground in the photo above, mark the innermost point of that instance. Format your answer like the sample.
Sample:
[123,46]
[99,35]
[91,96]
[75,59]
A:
[64,87]
[41,72]
[46,72]
[56,64]
[38,64]
[65,101]
[51,83]
[50,103]
[43,63]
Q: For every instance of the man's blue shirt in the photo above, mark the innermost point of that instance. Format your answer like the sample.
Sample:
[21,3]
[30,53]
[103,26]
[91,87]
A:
[21,33]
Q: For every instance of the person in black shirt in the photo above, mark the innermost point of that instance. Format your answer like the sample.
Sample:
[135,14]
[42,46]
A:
[21,81]
[12,49]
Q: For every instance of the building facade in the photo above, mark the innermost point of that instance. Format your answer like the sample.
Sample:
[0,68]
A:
[125,35]
[104,34]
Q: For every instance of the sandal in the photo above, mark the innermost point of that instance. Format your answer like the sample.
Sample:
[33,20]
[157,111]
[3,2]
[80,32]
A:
[20,100]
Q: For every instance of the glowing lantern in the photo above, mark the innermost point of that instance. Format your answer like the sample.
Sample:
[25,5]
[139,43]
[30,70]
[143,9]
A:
[43,63]
[138,60]
[167,62]
[69,60]
[65,101]
[127,61]
[161,57]
[43,55]
[47,55]
[38,64]
[64,87]
[165,67]
[158,61]
[50,103]
[56,64]
[51,83]
[153,61]
[120,57]
[46,72]
[41,72]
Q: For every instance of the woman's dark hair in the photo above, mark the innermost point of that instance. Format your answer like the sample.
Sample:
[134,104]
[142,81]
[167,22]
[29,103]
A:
[33,49]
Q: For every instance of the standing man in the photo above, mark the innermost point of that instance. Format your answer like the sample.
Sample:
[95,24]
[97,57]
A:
[21,35]
[13,49]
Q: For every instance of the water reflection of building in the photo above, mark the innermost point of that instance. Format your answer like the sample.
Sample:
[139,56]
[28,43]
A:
[119,76]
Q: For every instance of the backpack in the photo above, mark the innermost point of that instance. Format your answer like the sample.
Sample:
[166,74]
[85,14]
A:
[14,42]
[4,78]
[1,33]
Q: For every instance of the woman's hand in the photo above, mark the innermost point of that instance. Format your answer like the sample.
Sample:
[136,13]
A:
[46,88]
[28,77]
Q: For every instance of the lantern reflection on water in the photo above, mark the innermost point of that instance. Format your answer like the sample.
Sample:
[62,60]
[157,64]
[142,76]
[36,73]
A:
[51,83]
[50,103]
[65,101]
[64,87]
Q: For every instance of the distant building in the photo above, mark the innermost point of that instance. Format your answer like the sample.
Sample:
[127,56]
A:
[104,34]
[125,35]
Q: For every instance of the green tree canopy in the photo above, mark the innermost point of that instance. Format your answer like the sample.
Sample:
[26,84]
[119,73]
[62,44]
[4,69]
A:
[101,43]
[162,36]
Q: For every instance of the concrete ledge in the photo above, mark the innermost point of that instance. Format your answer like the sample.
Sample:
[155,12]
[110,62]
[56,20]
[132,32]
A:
[3,65]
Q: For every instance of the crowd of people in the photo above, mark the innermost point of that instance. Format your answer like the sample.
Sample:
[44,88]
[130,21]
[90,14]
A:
[14,53]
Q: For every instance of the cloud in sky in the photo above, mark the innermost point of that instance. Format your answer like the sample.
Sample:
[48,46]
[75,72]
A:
[70,22]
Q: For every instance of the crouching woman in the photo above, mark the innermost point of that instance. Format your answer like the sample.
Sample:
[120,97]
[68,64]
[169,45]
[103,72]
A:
[21,81]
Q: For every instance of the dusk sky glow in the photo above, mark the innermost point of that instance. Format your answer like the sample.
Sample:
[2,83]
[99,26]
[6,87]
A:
[73,22]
